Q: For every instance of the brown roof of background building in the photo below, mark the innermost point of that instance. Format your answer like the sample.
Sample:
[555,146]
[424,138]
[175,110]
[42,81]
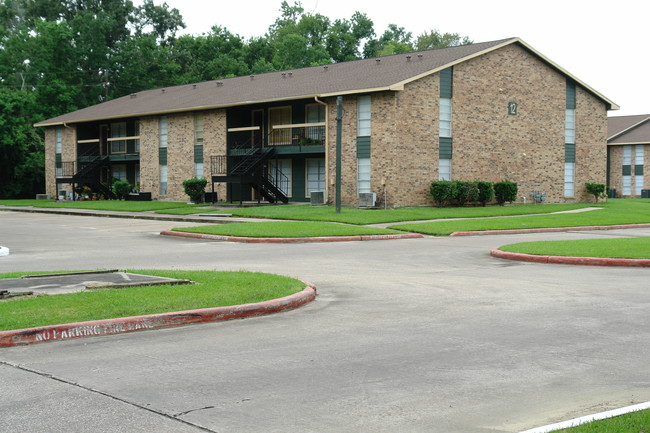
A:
[628,129]
[358,76]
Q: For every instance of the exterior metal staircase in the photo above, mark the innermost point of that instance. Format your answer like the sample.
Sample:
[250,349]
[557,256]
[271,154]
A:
[249,166]
[88,175]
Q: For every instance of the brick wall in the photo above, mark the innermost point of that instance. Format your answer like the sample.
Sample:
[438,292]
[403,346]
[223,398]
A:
[180,152]
[68,153]
[488,143]
[616,169]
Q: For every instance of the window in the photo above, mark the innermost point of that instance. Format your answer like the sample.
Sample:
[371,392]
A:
[280,174]
[445,117]
[59,140]
[198,145]
[163,131]
[363,179]
[315,113]
[363,116]
[198,170]
[58,151]
[118,130]
[570,126]
[163,180]
[638,169]
[569,182]
[444,169]
[119,172]
[627,172]
[315,175]
[280,116]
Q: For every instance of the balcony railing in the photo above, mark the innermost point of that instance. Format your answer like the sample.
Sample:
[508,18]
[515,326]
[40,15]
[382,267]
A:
[303,134]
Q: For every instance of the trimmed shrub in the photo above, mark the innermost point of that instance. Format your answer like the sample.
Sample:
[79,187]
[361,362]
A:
[195,189]
[485,192]
[464,192]
[505,191]
[121,188]
[441,190]
[596,189]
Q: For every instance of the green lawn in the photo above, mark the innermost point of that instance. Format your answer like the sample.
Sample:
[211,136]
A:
[114,205]
[214,289]
[625,248]
[615,211]
[634,422]
[187,210]
[353,215]
[285,229]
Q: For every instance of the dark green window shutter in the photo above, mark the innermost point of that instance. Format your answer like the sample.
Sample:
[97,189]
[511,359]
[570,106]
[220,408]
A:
[570,95]
[58,160]
[198,153]
[445,148]
[569,152]
[446,82]
[162,155]
[363,147]
[627,170]
[638,170]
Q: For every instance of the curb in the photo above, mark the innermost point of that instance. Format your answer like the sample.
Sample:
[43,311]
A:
[588,418]
[549,229]
[154,321]
[4,251]
[566,260]
[291,240]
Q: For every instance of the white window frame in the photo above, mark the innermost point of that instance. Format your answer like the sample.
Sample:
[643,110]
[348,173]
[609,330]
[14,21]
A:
[162,128]
[198,129]
[570,126]
[280,116]
[627,160]
[315,182]
[163,180]
[136,130]
[444,169]
[445,117]
[59,140]
[364,116]
[198,170]
[363,175]
[569,179]
[638,160]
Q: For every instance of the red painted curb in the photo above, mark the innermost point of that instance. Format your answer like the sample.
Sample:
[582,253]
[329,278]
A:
[291,240]
[154,321]
[548,229]
[588,261]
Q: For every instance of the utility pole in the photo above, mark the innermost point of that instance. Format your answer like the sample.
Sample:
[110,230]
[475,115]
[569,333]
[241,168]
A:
[339,127]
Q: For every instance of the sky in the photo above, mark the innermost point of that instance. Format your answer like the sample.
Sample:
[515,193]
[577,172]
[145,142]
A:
[603,43]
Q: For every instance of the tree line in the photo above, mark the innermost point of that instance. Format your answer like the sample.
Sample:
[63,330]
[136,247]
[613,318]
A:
[58,56]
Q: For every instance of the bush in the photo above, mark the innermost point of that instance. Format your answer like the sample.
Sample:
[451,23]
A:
[596,189]
[195,188]
[121,188]
[464,192]
[505,191]
[441,190]
[485,192]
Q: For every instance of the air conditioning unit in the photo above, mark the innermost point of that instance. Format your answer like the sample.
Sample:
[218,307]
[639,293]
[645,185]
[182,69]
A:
[367,199]
[317,198]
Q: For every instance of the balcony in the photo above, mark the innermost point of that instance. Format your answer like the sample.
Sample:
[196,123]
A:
[286,139]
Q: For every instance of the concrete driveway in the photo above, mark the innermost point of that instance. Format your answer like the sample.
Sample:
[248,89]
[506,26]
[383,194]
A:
[423,335]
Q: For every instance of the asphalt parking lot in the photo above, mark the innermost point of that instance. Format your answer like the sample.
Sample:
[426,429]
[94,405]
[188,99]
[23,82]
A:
[418,335]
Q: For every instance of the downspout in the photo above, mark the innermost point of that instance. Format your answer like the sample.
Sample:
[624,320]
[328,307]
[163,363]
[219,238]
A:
[327,114]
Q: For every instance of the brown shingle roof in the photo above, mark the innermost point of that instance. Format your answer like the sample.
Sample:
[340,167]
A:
[375,74]
[628,129]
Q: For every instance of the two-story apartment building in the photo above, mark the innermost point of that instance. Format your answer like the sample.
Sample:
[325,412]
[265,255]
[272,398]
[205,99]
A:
[487,111]
[628,145]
